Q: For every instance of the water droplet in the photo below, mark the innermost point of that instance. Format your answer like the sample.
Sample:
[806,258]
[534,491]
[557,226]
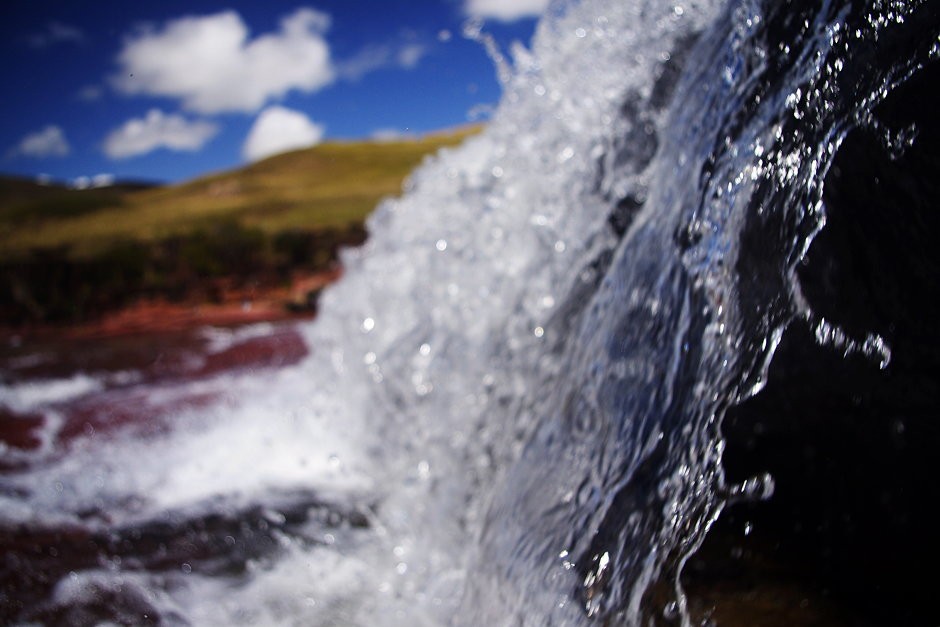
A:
[671,611]
[186,568]
[368,324]
[424,469]
[565,154]
[441,245]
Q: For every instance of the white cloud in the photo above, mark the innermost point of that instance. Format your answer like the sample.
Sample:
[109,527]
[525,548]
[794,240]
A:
[376,57]
[92,182]
[89,93]
[409,56]
[212,65]
[138,136]
[49,142]
[367,60]
[505,10]
[384,135]
[56,33]
[278,129]
[480,111]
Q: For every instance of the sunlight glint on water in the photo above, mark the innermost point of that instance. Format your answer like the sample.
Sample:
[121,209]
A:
[511,408]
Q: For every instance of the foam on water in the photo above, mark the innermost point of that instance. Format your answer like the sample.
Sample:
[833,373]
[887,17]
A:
[32,395]
[510,410]
[416,391]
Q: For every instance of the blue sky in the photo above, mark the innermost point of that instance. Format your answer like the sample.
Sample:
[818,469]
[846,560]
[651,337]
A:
[171,90]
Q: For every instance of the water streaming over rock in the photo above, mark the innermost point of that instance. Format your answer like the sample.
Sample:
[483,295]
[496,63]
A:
[512,408]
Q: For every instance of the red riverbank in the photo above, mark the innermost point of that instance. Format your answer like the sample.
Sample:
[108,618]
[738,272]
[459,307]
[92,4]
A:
[231,306]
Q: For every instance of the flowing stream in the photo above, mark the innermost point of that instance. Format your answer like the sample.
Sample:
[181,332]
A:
[509,411]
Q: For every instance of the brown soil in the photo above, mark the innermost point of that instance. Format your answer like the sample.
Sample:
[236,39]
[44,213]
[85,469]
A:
[230,306]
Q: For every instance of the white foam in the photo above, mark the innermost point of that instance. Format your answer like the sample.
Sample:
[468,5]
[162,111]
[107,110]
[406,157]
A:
[222,338]
[32,395]
[422,355]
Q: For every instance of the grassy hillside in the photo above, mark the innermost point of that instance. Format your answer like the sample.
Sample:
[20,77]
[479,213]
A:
[332,185]
[69,255]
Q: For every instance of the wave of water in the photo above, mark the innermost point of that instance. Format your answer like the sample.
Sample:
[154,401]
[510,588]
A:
[512,404]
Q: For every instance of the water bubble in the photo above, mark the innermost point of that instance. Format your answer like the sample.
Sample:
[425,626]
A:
[368,324]
[759,488]
[186,568]
[274,517]
[441,245]
[424,469]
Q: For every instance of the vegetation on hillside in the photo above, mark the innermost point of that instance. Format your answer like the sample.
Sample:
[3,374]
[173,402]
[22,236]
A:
[69,255]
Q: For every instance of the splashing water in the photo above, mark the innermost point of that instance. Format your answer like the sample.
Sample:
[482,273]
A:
[511,412]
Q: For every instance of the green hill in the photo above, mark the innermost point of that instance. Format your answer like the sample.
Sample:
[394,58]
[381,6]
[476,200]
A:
[69,255]
[333,185]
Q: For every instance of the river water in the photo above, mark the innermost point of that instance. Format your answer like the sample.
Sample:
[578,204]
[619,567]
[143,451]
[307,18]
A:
[561,355]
